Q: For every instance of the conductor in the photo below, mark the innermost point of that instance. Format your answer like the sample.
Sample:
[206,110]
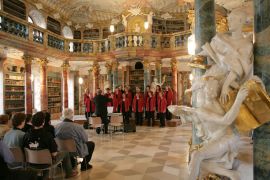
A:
[101,108]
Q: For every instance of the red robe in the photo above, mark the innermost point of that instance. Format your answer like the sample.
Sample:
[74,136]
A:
[169,97]
[162,105]
[88,102]
[140,103]
[129,97]
[117,100]
[126,106]
[152,104]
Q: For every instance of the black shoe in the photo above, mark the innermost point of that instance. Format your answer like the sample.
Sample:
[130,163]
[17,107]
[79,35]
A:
[88,166]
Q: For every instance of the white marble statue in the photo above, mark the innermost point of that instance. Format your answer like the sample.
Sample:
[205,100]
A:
[155,83]
[231,60]
[215,127]
[231,55]
[124,20]
[137,28]
[150,18]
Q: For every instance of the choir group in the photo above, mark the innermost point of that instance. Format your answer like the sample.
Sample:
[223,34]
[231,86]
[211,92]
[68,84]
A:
[152,103]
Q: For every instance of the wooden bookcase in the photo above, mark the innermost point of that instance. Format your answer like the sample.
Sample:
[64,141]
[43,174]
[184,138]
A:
[53,25]
[54,93]
[14,89]
[136,79]
[162,26]
[15,7]
[91,34]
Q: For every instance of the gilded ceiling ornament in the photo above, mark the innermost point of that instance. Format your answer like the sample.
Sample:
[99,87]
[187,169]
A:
[166,16]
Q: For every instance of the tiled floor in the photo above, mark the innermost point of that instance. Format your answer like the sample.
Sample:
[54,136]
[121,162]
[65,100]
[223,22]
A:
[149,154]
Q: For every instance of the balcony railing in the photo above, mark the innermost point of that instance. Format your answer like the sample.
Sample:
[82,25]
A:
[25,30]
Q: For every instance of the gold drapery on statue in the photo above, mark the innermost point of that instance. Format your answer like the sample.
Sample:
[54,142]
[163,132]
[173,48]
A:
[254,111]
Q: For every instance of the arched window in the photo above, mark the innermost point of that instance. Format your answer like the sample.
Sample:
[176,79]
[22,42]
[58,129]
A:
[67,32]
[37,18]
[15,7]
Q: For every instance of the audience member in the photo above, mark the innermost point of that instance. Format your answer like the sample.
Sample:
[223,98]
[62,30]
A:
[38,138]
[4,127]
[28,123]
[47,125]
[14,137]
[67,129]
[162,104]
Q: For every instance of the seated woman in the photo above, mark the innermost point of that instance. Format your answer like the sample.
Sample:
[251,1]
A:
[47,125]
[38,138]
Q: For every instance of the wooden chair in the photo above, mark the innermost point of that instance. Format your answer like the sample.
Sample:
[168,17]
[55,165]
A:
[41,160]
[116,122]
[96,122]
[19,158]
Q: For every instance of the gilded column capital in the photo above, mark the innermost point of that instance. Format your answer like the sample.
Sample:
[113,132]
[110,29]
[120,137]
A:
[174,64]
[65,65]
[115,65]
[146,64]
[158,64]
[108,67]
[27,59]
[43,61]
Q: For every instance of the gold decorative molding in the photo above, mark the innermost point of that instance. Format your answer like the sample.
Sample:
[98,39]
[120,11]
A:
[108,67]
[198,62]
[115,65]
[146,64]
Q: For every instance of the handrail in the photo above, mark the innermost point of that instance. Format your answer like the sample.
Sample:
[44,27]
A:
[114,41]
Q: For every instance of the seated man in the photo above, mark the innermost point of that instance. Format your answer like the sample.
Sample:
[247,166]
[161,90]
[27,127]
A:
[69,130]
[14,137]
[38,138]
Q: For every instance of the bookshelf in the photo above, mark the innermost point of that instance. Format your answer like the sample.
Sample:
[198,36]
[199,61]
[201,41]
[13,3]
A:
[91,34]
[162,26]
[15,7]
[77,35]
[105,33]
[54,93]
[136,78]
[14,89]
[53,25]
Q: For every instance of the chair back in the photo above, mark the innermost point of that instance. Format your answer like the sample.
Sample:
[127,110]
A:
[66,145]
[95,120]
[18,154]
[116,119]
[38,156]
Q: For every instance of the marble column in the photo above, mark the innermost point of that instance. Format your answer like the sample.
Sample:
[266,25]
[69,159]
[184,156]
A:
[115,74]
[95,74]
[205,30]
[65,74]
[158,70]
[174,87]
[28,84]
[146,67]
[262,41]
[3,58]
[43,84]
[109,75]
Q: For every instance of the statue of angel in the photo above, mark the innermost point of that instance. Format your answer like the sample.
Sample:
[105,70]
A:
[155,83]
[212,125]
[124,20]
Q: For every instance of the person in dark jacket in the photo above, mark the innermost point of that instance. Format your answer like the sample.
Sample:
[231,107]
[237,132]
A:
[101,108]
[47,125]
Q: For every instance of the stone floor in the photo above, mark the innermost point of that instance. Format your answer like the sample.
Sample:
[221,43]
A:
[149,154]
